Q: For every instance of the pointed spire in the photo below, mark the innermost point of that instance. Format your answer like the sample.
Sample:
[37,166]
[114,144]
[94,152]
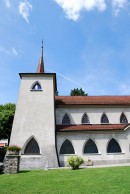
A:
[40,68]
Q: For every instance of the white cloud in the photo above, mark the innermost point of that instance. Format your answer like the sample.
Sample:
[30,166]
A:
[5,51]
[117,5]
[7,3]
[11,51]
[66,78]
[14,51]
[73,8]
[24,9]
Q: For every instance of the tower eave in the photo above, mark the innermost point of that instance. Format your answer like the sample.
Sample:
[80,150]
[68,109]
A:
[22,75]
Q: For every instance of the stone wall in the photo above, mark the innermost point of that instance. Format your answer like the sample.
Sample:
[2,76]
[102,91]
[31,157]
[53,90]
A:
[11,164]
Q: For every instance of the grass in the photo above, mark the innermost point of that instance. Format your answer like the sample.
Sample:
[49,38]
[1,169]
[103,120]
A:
[115,180]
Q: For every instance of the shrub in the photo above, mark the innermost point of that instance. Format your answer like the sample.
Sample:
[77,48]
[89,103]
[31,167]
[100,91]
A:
[75,162]
[13,148]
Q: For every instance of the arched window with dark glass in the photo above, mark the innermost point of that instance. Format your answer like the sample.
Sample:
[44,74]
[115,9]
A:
[67,147]
[104,118]
[66,120]
[85,119]
[32,147]
[90,147]
[36,86]
[113,146]
[123,118]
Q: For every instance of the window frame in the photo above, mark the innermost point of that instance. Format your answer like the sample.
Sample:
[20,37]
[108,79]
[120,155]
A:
[91,153]
[34,84]
[122,114]
[63,144]
[85,114]
[116,143]
[104,114]
[68,123]
[25,147]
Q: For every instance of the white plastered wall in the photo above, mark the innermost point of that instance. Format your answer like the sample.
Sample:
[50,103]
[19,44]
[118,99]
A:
[94,113]
[34,117]
[101,139]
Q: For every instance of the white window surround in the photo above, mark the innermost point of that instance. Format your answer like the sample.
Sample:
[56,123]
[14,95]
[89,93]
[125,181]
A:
[92,154]
[68,154]
[36,87]
[30,156]
[116,153]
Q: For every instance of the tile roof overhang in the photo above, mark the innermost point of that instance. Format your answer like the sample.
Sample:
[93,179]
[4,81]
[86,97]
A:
[92,100]
[91,127]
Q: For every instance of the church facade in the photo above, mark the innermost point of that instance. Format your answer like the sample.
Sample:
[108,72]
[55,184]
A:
[50,128]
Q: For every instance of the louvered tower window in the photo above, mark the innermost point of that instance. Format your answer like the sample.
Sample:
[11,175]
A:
[90,147]
[113,146]
[67,147]
[66,120]
[104,119]
[36,86]
[32,147]
[85,119]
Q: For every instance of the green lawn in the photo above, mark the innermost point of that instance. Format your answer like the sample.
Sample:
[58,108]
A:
[114,180]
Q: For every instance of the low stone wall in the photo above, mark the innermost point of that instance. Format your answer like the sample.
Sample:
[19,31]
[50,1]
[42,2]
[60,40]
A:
[11,164]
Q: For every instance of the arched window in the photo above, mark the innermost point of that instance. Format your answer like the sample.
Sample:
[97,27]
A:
[123,118]
[90,147]
[66,120]
[36,86]
[104,118]
[67,147]
[32,147]
[85,119]
[113,146]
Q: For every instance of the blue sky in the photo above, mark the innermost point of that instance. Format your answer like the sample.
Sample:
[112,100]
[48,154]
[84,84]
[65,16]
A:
[86,42]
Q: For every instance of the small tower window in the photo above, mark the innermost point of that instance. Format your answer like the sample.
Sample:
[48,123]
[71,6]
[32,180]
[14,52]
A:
[66,120]
[85,119]
[123,119]
[104,119]
[36,86]
[67,147]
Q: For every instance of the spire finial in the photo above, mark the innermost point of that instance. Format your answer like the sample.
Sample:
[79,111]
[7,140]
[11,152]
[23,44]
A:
[42,48]
[40,68]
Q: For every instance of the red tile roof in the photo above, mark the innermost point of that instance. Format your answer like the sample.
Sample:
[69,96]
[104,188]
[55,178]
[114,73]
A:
[92,100]
[89,127]
[40,68]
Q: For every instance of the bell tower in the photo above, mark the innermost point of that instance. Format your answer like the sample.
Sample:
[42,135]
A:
[34,122]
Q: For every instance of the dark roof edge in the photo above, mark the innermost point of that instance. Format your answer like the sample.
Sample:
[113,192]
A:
[36,74]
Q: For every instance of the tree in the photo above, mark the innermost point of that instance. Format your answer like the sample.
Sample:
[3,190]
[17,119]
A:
[6,120]
[78,92]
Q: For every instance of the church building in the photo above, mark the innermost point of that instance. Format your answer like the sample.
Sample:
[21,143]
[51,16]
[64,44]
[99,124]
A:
[50,128]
